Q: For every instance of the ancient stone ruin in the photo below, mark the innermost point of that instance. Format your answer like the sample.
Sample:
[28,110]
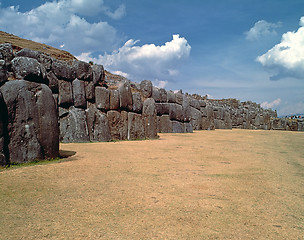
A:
[44,101]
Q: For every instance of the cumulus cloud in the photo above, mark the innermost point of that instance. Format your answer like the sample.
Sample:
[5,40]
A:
[147,61]
[62,22]
[272,104]
[261,29]
[286,59]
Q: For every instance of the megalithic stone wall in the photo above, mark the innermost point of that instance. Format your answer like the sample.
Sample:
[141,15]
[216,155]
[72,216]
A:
[44,101]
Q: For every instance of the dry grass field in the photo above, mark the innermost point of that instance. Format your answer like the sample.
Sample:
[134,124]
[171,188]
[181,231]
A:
[222,184]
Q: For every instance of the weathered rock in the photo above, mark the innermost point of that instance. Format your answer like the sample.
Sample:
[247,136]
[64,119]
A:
[195,103]
[186,109]
[202,103]
[6,52]
[73,127]
[63,70]
[83,70]
[118,123]
[171,97]
[156,94]
[52,81]
[102,98]
[146,88]
[150,119]
[55,97]
[176,112]
[137,102]
[125,94]
[179,98]
[98,75]
[32,121]
[3,131]
[208,119]
[165,108]
[159,109]
[79,94]
[89,91]
[163,95]
[188,127]
[136,129]
[98,125]
[164,124]
[178,127]
[42,58]
[114,100]
[196,119]
[29,69]
[3,72]
[65,97]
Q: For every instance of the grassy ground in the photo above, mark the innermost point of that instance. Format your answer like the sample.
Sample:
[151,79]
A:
[222,184]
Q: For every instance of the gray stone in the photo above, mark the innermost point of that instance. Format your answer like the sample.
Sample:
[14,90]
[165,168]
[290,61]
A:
[195,103]
[73,127]
[137,102]
[3,131]
[179,97]
[166,108]
[159,109]
[63,70]
[79,94]
[42,58]
[98,125]
[125,95]
[6,52]
[202,103]
[83,70]
[186,109]
[29,69]
[156,94]
[89,91]
[146,88]
[102,98]
[196,119]
[188,127]
[165,125]
[3,72]
[178,127]
[163,95]
[118,123]
[136,129]
[65,97]
[171,97]
[176,112]
[52,81]
[98,74]
[114,100]
[32,121]
[150,119]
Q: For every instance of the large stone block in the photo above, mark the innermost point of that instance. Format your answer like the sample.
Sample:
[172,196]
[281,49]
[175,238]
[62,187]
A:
[178,127]
[179,97]
[176,112]
[3,131]
[137,102]
[98,74]
[196,119]
[89,91]
[98,124]
[52,82]
[79,94]
[186,109]
[73,126]
[65,97]
[136,129]
[195,103]
[42,58]
[156,94]
[83,70]
[6,52]
[126,101]
[150,118]
[118,123]
[171,97]
[63,70]
[163,95]
[164,124]
[102,98]
[146,88]
[3,72]
[114,100]
[188,127]
[32,121]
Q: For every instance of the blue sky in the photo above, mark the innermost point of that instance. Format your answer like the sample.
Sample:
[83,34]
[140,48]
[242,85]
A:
[244,49]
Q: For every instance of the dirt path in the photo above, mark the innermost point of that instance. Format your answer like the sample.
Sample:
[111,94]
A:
[221,184]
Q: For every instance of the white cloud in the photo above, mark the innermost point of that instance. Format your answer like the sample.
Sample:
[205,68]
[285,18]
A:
[160,83]
[261,29]
[63,21]
[286,59]
[272,104]
[147,61]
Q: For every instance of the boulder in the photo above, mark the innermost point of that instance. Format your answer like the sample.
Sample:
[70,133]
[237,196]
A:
[171,97]
[136,129]
[179,97]
[163,95]
[146,88]
[186,109]
[79,94]
[63,70]
[102,98]
[98,75]
[6,53]
[188,127]
[3,131]
[52,81]
[32,121]
[118,123]
[65,97]
[73,126]
[137,102]
[150,118]
[159,109]
[156,94]
[178,127]
[42,58]
[3,72]
[125,96]
[114,99]
[89,91]
[29,69]
[164,124]
[176,112]
[196,119]
[195,103]
[208,118]
[98,125]
[83,70]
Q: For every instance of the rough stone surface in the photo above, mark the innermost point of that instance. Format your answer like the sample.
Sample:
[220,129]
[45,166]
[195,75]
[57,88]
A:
[83,70]
[188,127]
[179,98]
[42,58]
[6,52]
[118,123]
[73,127]
[32,121]
[186,109]
[136,129]
[146,88]
[3,72]
[29,69]
[3,131]
[102,98]
[165,125]
[63,70]
[89,91]
[150,118]
[171,97]
[195,103]
[196,119]
[178,127]
[163,95]
[98,74]
[137,102]
[114,100]
[156,94]
[52,81]
[98,125]
[125,95]
[79,94]
[176,112]
[65,97]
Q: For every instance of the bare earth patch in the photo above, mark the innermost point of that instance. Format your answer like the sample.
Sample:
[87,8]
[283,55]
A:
[222,184]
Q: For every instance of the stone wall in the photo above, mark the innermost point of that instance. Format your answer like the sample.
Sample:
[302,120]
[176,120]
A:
[44,101]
